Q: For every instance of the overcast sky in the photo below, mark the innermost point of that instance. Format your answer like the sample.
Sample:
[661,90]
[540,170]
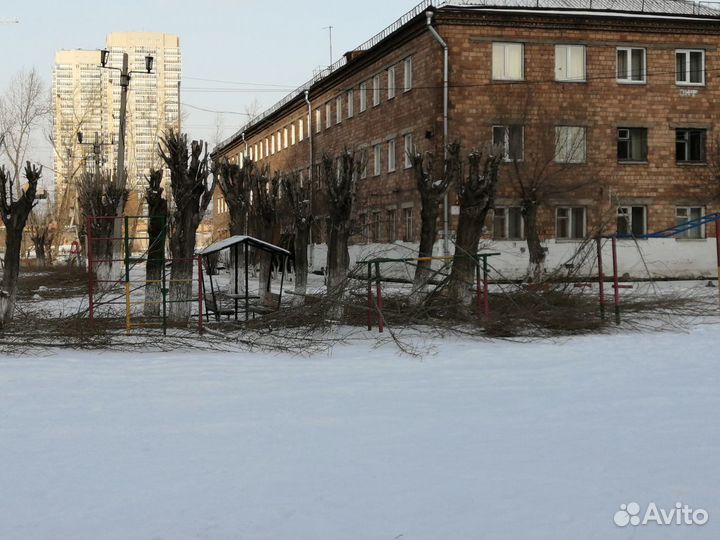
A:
[261,49]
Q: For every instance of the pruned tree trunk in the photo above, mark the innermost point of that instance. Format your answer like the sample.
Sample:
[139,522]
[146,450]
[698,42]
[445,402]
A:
[340,181]
[157,233]
[432,185]
[192,193]
[14,217]
[297,197]
[476,193]
[536,252]
[265,200]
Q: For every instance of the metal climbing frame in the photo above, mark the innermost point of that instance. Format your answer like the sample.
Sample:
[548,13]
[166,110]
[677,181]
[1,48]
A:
[116,236]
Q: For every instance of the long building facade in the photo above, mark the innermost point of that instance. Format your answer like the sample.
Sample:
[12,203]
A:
[620,103]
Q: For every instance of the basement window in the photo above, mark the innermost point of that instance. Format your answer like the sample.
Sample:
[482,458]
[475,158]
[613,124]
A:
[570,223]
[508,223]
[683,214]
[631,220]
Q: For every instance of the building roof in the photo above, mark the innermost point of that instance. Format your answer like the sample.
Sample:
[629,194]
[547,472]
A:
[665,9]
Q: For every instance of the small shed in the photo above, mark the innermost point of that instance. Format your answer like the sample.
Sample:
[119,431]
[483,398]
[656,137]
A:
[228,299]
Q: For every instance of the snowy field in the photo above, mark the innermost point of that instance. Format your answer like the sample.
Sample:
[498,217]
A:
[475,440]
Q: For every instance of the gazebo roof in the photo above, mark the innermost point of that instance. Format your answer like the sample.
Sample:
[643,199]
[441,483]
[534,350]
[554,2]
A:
[227,243]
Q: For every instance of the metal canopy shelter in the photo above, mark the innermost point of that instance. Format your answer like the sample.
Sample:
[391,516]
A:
[236,245]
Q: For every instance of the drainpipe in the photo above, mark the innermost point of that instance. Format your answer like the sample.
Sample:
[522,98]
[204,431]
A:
[446,72]
[312,173]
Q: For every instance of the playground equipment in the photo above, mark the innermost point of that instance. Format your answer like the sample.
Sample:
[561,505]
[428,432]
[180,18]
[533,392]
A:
[240,292]
[670,232]
[481,282]
[118,288]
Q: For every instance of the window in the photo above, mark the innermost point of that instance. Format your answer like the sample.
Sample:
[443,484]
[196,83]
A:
[267,147]
[375,227]
[690,67]
[350,103]
[391,82]
[631,220]
[328,115]
[408,74]
[318,121]
[511,139]
[690,145]
[362,220]
[285,137]
[684,214]
[255,152]
[363,96]
[408,221]
[292,134]
[570,223]
[508,223]
[279,140]
[338,109]
[391,155]
[363,164]
[630,65]
[507,61]
[391,225]
[632,144]
[377,165]
[569,63]
[570,144]
[301,128]
[408,145]
[376,90]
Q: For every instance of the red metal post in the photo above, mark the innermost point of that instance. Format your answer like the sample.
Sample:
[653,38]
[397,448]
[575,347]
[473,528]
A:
[89,240]
[200,295]
[616,283]
[381,320]
[601,276]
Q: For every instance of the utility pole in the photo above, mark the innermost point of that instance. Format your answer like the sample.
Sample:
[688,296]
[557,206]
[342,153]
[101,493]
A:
[124,83]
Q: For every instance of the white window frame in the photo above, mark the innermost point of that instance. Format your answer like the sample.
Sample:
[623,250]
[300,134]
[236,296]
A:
[628,79]
[285,137]
[686,234]
[408,222]
[408,74]
[506,45]
[292,134]
[407,149]
[318,120]
[350,103]
[377,159]
[328,115]
[571,223]
[565,49]
[562,153]
[301,129]
[506,224]
[363,96]
[392,155]
[626,211]
[687,53]
[338,110]
[376,90]
[506,141]
[391,82]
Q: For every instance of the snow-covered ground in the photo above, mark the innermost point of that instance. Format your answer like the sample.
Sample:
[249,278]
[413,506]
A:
[475,440]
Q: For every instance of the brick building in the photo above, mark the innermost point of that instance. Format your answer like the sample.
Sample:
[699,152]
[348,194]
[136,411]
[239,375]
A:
[622,99]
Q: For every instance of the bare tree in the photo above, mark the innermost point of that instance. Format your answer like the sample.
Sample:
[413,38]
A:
[339,177]
[265,197]
[157,234]
[42,228]
[432,183]
[192,193]
[14,217]
[23,107]
[99,197]
[476,193]
[297,200]
[235,183]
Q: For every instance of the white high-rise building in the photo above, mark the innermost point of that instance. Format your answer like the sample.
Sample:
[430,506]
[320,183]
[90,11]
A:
[86,100]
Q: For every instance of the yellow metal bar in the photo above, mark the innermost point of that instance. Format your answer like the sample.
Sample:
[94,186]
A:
[127,308]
